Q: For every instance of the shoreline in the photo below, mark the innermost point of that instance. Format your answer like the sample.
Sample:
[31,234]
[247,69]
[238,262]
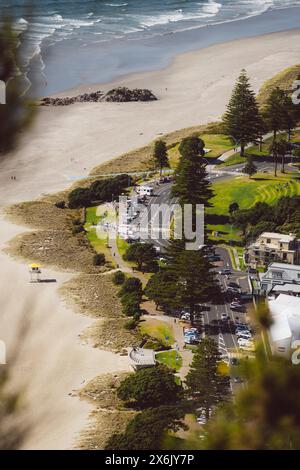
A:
[70,141]
[120,58]
[175,62]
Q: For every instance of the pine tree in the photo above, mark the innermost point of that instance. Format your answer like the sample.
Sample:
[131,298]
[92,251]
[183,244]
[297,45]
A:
[191,184]
[161,155]
[204,382]
[194,280]
[242,119]
[279,148]
[250,169]
[275,111]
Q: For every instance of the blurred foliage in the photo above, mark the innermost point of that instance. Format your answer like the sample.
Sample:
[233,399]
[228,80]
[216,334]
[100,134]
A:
[266,412]
[18,111]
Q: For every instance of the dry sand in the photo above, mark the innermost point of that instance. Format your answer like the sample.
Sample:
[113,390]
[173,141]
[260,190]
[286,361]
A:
[67,142]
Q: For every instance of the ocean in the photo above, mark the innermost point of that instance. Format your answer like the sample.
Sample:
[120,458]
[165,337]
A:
[71,42]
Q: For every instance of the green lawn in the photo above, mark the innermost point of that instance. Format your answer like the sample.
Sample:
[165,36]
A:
[247,192]
[171,359]
[253,151]
[159,330]
[100,244]
[226,232]
[216,143]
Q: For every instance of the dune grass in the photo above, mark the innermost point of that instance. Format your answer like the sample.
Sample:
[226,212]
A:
[283,79]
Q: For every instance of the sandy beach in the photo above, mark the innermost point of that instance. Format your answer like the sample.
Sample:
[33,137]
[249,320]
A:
[65,143]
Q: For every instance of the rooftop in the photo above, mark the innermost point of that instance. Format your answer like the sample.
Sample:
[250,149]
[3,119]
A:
[295,288]
[285,311]
[279,236]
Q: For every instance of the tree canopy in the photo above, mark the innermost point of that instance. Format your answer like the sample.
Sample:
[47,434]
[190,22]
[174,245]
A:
[242,119]
[204,382]
[161,155]
[153,386]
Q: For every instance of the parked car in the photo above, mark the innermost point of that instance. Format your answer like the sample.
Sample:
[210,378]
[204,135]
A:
[225,316]
[236,306]
[225,271]
[244,335]
[234,284]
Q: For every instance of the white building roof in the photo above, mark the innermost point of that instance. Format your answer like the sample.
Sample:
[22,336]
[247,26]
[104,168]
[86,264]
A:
[285,311]
[290,272]
[279,236]
[295,288]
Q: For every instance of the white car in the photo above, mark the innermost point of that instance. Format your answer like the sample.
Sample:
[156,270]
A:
[246,338]
[244,334]
[244,341]
[225,316]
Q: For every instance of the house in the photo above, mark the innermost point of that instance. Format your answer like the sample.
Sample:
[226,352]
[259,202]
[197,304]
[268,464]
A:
[289,289]
[279,274]
[140,358]
[285,312]
[272,246]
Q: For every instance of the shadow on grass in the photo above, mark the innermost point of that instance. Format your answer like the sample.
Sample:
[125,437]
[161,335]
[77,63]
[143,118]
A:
[217,219]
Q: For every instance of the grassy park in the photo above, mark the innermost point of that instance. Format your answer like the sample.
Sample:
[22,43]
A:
[246,192]
[216,143]
[171,359]
[92,218]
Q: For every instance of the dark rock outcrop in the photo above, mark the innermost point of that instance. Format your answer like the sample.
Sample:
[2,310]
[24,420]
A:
[123,94]
[117,95]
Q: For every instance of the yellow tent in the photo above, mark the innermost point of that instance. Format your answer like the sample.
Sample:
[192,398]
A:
[34,266]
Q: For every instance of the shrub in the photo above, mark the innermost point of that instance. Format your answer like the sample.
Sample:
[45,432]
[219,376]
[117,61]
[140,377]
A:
[60,204]
[150,387]
[77,229]
[79,197]
[131,304]
[132,284]
[119,278]
[130,324]
[99,259]
[76,222]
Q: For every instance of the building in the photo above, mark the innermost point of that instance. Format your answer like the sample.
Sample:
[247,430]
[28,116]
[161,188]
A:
[271,246]
[140,358]
[279,274]
[289,289]
[285,312]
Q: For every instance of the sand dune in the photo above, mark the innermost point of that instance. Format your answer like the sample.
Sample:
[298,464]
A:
[68,142]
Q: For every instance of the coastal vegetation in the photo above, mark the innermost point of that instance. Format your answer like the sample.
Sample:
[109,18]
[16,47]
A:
[99,191]
[160,155]
[242,119]
[143,255]
[156,392]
